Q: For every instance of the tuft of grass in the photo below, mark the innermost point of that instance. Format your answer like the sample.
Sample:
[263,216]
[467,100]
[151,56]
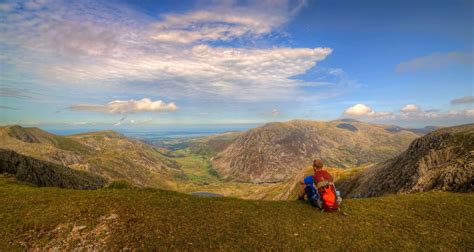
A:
[151,219]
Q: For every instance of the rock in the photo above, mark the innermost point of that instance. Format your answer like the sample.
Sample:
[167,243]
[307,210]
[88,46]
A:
[78,228]
[442,160]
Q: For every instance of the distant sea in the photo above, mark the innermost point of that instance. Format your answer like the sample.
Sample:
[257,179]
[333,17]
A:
[178,131]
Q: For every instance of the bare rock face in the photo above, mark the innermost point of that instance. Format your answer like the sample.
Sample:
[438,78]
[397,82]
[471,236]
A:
[442,160]
[277,151]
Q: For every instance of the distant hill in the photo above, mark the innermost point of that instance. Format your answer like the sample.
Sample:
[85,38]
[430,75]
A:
[441,160]
[105,153]
[202,145]
[418,131]
[42,173]
[276,151]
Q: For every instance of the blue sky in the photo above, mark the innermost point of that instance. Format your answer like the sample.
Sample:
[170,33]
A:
[151,63]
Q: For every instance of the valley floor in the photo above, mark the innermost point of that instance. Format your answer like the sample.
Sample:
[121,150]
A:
[112,219]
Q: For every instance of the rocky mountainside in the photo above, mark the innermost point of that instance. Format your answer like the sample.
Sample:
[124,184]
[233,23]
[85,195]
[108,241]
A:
[276,151]
[44,173]
[105,153]
[441,160]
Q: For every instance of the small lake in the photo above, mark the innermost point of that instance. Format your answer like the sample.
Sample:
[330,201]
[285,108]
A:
[207,194]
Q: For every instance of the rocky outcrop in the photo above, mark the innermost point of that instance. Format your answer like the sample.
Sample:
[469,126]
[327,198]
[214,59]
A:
[442,160]
[43,173]
[276,151]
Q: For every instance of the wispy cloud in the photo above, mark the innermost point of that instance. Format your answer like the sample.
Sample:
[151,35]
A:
[7,91]
[124,107]
[96,45]
[7,107]
[224,22]
[463,100]
[434,61]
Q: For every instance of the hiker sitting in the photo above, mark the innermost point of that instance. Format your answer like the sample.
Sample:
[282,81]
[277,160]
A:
[319,189]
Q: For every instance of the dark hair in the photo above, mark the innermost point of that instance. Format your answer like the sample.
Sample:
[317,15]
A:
[318,163]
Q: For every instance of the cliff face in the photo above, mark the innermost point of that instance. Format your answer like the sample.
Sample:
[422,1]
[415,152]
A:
[442,160]
[43,173]
[276,151]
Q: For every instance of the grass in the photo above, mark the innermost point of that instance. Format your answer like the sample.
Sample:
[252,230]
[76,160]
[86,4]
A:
[197,168]
[200,176]
[146,219]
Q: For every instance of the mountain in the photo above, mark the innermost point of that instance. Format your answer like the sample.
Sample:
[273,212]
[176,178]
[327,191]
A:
[276,151]
[44,173]
[441,160]
[105,153]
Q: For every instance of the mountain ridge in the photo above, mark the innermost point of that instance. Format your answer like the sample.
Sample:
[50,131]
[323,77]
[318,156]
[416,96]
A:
[106,153]
[275,151]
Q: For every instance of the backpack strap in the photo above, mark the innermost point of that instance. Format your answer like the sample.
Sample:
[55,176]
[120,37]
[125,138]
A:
[323,183]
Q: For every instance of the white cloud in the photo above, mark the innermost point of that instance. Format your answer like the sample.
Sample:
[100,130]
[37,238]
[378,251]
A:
[123,107]
[463,100]
[225,22]
[359,110]
[362,110]
[434,61]
[235,73]
[410,112]
[99,45]
[410,108]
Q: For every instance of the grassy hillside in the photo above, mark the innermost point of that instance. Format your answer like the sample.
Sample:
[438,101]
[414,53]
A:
[113,219]
[105,153]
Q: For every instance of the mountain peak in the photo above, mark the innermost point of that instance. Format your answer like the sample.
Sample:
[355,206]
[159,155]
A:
[273,152]
[26,134]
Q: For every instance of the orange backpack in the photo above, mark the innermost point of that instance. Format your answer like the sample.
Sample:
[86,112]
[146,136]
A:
[328,195]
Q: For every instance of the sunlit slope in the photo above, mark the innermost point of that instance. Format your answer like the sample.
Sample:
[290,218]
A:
[286,190]
[440,160]
[111,219]
[276,151]
[105,153]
